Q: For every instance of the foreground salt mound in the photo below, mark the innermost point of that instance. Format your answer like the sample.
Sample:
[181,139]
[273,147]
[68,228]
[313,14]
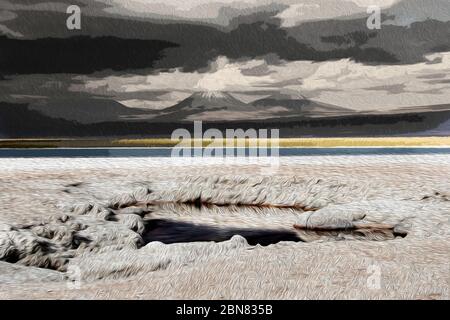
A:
[153,257]
[102,238]
[18,274]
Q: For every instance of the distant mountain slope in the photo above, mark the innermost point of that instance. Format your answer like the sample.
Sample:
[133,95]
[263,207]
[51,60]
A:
[218,106]
[209,101]
[212,106]
[87,110]
[298,105]
[18,121]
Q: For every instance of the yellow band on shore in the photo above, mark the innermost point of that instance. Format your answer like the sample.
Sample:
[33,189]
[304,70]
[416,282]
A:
[282,142]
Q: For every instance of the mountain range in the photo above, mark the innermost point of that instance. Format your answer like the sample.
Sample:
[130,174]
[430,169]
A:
[293,114]
[308,67]
[219,106]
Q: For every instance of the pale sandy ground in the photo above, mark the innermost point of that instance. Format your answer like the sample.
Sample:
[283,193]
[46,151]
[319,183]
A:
[408,191]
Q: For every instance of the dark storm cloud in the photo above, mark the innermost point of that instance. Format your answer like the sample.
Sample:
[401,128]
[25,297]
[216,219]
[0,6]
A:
[249,35]
[190,47]
[80,54]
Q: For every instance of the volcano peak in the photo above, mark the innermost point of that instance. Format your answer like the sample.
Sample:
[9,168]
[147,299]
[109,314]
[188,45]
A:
[213,94]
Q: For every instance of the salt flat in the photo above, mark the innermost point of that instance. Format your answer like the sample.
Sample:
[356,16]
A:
[373,227]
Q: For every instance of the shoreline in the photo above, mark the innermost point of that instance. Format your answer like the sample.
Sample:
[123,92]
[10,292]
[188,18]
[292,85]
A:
[283,143]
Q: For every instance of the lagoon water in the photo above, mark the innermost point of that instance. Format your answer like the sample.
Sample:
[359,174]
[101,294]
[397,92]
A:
[167,152]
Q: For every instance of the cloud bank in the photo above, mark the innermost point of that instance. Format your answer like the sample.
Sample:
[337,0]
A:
[343,82]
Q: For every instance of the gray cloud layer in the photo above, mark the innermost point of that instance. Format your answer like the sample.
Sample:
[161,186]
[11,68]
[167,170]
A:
[318,48]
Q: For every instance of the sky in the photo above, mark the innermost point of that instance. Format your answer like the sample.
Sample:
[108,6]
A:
[320,49]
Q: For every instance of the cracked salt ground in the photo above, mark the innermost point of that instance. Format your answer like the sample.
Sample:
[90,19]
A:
[180,223]
[207,209]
